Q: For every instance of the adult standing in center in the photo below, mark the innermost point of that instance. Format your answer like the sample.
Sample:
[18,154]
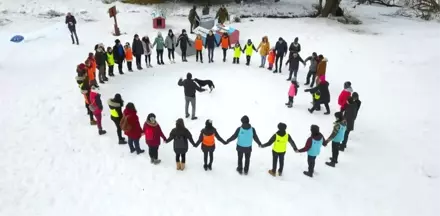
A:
[138,51]
[190,88]
[281,51]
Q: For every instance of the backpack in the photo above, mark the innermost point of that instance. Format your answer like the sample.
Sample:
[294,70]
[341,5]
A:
[125,126]
[149,133]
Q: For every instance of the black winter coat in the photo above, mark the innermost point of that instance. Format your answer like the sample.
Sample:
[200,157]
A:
[181,136]
[350,113]
[184,41]
[281,48]
[294,62]
[190,87]
[323,90]
[137,47]
[295,49]
[117,55]
[71,22]
[211,42]
[101,58]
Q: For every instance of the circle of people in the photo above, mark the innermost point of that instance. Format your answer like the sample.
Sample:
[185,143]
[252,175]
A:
[128,122]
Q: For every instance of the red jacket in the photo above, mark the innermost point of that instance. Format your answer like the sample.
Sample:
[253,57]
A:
[156,134]
[133,121]
[343,97]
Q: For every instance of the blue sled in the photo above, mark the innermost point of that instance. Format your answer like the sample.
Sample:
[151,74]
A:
[17,39]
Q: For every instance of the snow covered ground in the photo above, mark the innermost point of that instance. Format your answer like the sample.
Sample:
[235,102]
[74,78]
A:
[52,162]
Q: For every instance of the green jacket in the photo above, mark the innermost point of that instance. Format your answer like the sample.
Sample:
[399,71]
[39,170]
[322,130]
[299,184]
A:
[159,43]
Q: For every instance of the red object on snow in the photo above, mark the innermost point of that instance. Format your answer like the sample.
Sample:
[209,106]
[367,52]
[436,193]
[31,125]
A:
[159,22]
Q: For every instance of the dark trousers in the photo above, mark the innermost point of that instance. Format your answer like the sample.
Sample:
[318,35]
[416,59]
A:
[335,152]
[247,158]
[294,73]
[148,59]
[101,73]
[236,60]
[311,163]
[183,50]
[89,113]
[290,100]
[207,153]
[110,70]
[311,74]
[171,54]
[119,62]
[248,60]
[180,158]
[153,152]
[275,157]
[199,52]
[317,106]
[344,143]
[138,61]
[278,58]
[211,54]
[134,145]
[159,56]
[72,34]
[117,122]
[224,53]
[129,65]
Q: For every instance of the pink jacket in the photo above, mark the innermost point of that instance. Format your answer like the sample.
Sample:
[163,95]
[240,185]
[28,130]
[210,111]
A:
[292,90]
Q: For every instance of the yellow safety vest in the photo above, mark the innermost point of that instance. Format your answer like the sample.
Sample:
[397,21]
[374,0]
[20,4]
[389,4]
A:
[280,144]
[110,59]
[237,52]
[114,113]
[249,49]
[316,96]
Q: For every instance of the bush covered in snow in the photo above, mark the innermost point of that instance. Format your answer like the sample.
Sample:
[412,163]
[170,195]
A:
[51,14]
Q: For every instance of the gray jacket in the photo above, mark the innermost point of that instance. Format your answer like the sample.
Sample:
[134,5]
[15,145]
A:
[170,43]
[313,63]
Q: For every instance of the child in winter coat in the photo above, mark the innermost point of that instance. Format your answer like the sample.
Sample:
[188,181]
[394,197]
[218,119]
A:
[249,48]
[170,44]
[128,56]
[110,61]
[96,107]
[344,95]
[313,148]
[264,50]
[198,45]
[159,48]
[91,72]
[115,105]
[132,128]
[80,74]
[147,50]
[226,44]
[294,60]
[271,58]
[293,91]
[181,136]
[207,138]
[245,134]
[279,141]
[337,137]
[153,133]
[237,53]
[85,91]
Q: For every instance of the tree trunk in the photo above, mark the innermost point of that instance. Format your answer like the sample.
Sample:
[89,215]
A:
[330,7]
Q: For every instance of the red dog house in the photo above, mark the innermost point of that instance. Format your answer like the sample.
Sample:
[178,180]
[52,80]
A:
[158,20]
[234,34]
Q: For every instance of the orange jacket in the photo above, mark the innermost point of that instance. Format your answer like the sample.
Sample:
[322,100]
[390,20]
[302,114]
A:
[322,67]
[128,54]
[198,44]
[225,42]
[91,73]
[271,57]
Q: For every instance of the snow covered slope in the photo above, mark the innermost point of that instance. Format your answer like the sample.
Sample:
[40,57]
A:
[52,162]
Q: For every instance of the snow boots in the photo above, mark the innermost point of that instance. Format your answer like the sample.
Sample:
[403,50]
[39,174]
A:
[102,132]
[92,122]
[180,166]
[272,173]
[155,161]
[122,141]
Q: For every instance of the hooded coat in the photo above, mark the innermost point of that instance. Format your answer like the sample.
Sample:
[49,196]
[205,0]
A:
[118,53]
[116,104]
[322,89]
[157,133]
[294,62]
[322,67]
[137,47]
[264,47]
[147,46]
[181,137]
[133,120]
[159,42]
